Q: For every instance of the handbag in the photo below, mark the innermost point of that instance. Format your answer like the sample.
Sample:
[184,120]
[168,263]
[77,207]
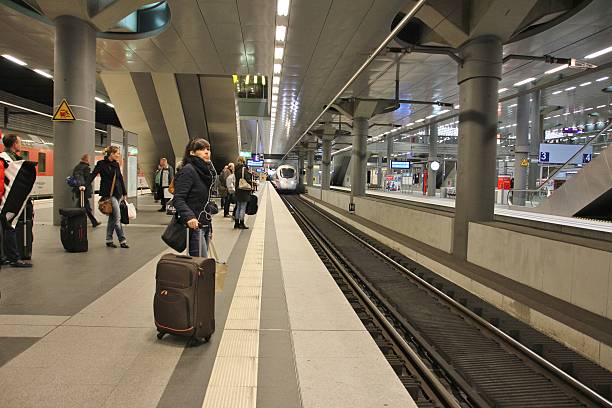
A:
[105,205]
[221,269]
[243,184]
[211,208]
[252,206]
[171,187]
[174,235]
[123,210]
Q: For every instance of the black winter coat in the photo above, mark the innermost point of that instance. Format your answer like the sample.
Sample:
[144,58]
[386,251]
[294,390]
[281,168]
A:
[191,189]
[242,195]
[81,173]
[107,169]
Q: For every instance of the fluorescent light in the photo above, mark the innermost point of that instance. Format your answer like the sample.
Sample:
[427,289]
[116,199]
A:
[598,53]
[419,120]
[26,109]
[557,92]
[513,105]
[456,106]
[430,116]
[43,73]
[601,106]
[282,7]
[571,88]
[502,90]
[586,83]
[556,69]
[410,124]
[548,117]
[15,60]
[443,112]
[110,105]
[587,109]
[524,81]
[274,90]
[557,116]
[99,100]
[281,32]
[566,113]
[275,80]
[277,68]
[601,79]
[278,53]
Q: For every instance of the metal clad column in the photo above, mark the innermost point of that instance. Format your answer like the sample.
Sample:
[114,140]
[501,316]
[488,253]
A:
[326,164]
[310,167]
[478,80]
[358,160]
[379,172]
[535,137]
[74,80]
[301,166]
[433,152]
[521,149]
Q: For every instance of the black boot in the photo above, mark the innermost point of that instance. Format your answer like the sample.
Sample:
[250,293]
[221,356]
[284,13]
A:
[242,226]
[236,224]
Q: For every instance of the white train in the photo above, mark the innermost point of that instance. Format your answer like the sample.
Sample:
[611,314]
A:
[286,178]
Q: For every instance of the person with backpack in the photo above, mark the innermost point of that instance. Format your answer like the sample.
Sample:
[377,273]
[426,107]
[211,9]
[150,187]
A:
[192,195]
[81,173]
[244,187]
[112,192]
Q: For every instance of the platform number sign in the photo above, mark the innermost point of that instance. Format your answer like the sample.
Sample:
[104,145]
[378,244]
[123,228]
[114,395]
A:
[586,157]
[544,157]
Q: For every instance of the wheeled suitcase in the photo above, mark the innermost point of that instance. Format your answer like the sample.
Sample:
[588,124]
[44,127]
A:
[184,301]
[73,228]
[25,238]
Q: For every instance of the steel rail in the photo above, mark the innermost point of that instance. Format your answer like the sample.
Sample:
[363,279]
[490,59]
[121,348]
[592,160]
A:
[553,369]
[434,383]
[367,62]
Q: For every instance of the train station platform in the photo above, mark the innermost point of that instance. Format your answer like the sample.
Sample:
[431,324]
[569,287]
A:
[77,330]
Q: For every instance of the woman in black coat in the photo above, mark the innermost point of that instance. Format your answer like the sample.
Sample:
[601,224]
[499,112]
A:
[108,169]
[81,173]
[242,195]
[192,188]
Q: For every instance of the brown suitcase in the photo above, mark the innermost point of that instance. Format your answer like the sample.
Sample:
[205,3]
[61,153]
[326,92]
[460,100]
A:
[184,301]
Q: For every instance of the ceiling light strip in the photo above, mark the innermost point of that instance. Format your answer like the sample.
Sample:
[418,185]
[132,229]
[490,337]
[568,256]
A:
[382,45]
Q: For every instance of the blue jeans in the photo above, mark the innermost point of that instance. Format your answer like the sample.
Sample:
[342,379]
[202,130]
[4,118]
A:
[198,241]
[240,210]
[114,223]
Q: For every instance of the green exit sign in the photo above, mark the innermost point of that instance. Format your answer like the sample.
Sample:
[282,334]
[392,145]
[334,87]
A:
[246,155]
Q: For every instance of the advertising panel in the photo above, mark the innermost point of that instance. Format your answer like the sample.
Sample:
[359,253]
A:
[400,164]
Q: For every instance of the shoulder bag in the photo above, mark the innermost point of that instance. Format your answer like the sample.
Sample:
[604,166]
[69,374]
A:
[105,205]
[174,235]
[243,184]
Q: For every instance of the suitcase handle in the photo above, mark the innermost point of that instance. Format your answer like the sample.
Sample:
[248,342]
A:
[82,198]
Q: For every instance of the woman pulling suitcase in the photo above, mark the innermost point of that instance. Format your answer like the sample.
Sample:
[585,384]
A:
[184,301]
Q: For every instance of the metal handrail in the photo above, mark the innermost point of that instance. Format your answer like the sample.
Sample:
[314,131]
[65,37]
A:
[385,42]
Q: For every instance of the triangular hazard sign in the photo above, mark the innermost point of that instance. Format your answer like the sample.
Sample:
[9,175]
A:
[63,112]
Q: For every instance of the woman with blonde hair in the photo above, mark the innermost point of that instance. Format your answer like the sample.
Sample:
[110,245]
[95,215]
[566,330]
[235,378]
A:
[113,187]
[244,187]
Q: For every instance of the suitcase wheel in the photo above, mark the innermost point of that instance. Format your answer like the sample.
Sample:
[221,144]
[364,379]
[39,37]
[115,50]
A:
[160,335]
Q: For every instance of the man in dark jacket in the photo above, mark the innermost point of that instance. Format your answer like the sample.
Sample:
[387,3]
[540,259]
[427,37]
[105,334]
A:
[81,174]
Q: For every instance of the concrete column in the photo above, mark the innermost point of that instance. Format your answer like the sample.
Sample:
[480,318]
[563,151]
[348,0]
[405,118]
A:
[301,155]
[325,164]
[379,172]
[535,138]
[478,80]
[389,151]
[433,152]
[521,149]
[75,80]
[309,169]
[359,156]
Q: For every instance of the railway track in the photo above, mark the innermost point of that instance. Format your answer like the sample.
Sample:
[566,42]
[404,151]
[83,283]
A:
[448,347]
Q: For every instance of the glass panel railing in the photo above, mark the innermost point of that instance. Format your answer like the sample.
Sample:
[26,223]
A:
[556,175]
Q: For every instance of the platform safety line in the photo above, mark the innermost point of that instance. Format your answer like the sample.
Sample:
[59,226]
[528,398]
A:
[233,381]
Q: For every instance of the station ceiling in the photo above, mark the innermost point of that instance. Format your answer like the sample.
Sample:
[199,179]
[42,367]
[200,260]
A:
[326,41]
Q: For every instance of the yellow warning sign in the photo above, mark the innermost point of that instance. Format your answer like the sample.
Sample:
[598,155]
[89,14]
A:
[63,113]
[525,163]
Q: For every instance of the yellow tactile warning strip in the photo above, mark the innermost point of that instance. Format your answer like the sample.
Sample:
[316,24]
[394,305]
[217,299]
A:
[233,382]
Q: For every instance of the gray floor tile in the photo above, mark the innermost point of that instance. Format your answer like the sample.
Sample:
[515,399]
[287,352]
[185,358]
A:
[275,343]
[11,347]
[277,397]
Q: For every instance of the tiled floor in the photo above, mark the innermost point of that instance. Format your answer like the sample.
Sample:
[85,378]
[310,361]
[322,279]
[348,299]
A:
[76,333]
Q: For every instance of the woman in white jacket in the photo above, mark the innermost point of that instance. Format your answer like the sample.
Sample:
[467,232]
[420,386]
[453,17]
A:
[230,183]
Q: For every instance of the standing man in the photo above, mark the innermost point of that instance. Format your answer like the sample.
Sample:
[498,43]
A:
[12,148]
[81,173]
[222,187]
[166,174]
